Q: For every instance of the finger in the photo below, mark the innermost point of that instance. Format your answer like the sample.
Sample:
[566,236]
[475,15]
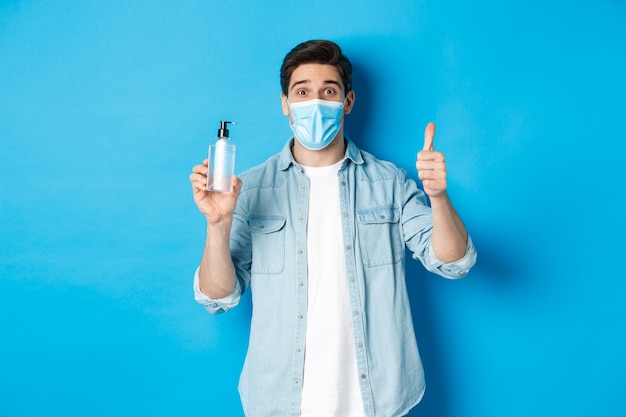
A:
[431,175]
[198,187]
[200,169]
[197,180]
[237,183]
[429,135]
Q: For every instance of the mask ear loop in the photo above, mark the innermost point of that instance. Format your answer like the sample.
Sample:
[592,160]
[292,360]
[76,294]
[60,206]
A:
[290,112]
[345,100]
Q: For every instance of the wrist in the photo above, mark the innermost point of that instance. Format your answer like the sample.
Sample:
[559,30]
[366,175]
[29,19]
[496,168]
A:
[220,225]
[218,218]
[439,199]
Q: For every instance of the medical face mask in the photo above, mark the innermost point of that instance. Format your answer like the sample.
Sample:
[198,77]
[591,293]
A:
[315,123]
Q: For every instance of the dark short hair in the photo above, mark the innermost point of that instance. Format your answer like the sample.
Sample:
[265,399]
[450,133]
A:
[316,52]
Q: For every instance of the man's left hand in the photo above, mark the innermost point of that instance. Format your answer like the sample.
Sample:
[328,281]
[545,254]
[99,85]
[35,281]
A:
[431,166]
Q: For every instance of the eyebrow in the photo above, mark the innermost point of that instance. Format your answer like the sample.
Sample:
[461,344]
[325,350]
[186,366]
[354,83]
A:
[297,83]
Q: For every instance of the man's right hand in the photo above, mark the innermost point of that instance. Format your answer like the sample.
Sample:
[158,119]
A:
[216,206]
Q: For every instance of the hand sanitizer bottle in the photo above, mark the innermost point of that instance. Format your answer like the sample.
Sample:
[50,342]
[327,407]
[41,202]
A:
[221,162]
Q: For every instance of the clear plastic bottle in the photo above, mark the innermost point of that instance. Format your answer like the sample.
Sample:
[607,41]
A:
[221,162]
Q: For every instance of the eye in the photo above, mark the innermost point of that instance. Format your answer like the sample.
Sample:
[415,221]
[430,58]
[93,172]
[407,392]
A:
[329,91]
[301,92]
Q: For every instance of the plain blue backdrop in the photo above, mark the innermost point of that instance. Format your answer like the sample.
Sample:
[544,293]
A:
[106,105]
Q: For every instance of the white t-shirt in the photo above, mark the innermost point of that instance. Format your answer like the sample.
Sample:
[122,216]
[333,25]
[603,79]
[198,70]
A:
[331,386]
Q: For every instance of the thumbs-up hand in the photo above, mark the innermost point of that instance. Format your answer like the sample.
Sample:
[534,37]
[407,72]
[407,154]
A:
[431,165]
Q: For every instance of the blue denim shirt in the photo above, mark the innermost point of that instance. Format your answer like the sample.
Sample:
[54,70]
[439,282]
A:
[382,212]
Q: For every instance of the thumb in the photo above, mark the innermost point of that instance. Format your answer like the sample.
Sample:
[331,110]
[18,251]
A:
[429,135]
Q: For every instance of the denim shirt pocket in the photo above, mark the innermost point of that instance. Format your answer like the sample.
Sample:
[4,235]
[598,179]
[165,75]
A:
[268,244]
[380,235]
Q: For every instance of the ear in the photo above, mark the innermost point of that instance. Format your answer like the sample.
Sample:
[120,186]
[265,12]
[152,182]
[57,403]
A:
[283,99]
[349,102]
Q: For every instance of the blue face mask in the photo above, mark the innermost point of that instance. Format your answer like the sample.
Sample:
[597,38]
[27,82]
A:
[315,123]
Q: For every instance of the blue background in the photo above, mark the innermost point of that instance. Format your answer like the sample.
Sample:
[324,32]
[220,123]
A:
[106,106]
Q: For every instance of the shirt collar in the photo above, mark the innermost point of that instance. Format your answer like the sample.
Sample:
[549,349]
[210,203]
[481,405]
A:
[353,153]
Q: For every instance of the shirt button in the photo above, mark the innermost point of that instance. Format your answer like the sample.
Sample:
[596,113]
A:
[355,312]
[343,183]
[300,316]
[299,251]
[301,284]
[360,345]
[348,247]
[382,217]
[301,219]
[352,279]
[363,376]
[345,214]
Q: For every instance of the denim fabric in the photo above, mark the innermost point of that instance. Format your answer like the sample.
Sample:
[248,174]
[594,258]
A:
[383,212]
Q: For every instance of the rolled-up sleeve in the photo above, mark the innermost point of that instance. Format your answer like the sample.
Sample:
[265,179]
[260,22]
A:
[418,227]
[216,306]
[456,269]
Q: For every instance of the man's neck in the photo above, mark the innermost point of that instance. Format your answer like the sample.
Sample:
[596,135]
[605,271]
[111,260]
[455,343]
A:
[330,155]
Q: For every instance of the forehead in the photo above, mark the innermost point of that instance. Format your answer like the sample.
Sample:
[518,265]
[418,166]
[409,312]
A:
[315,74]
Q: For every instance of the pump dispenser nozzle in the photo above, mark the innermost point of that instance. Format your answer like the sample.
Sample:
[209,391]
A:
[222,132]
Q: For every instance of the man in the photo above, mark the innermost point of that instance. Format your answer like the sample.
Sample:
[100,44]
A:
[319,233]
